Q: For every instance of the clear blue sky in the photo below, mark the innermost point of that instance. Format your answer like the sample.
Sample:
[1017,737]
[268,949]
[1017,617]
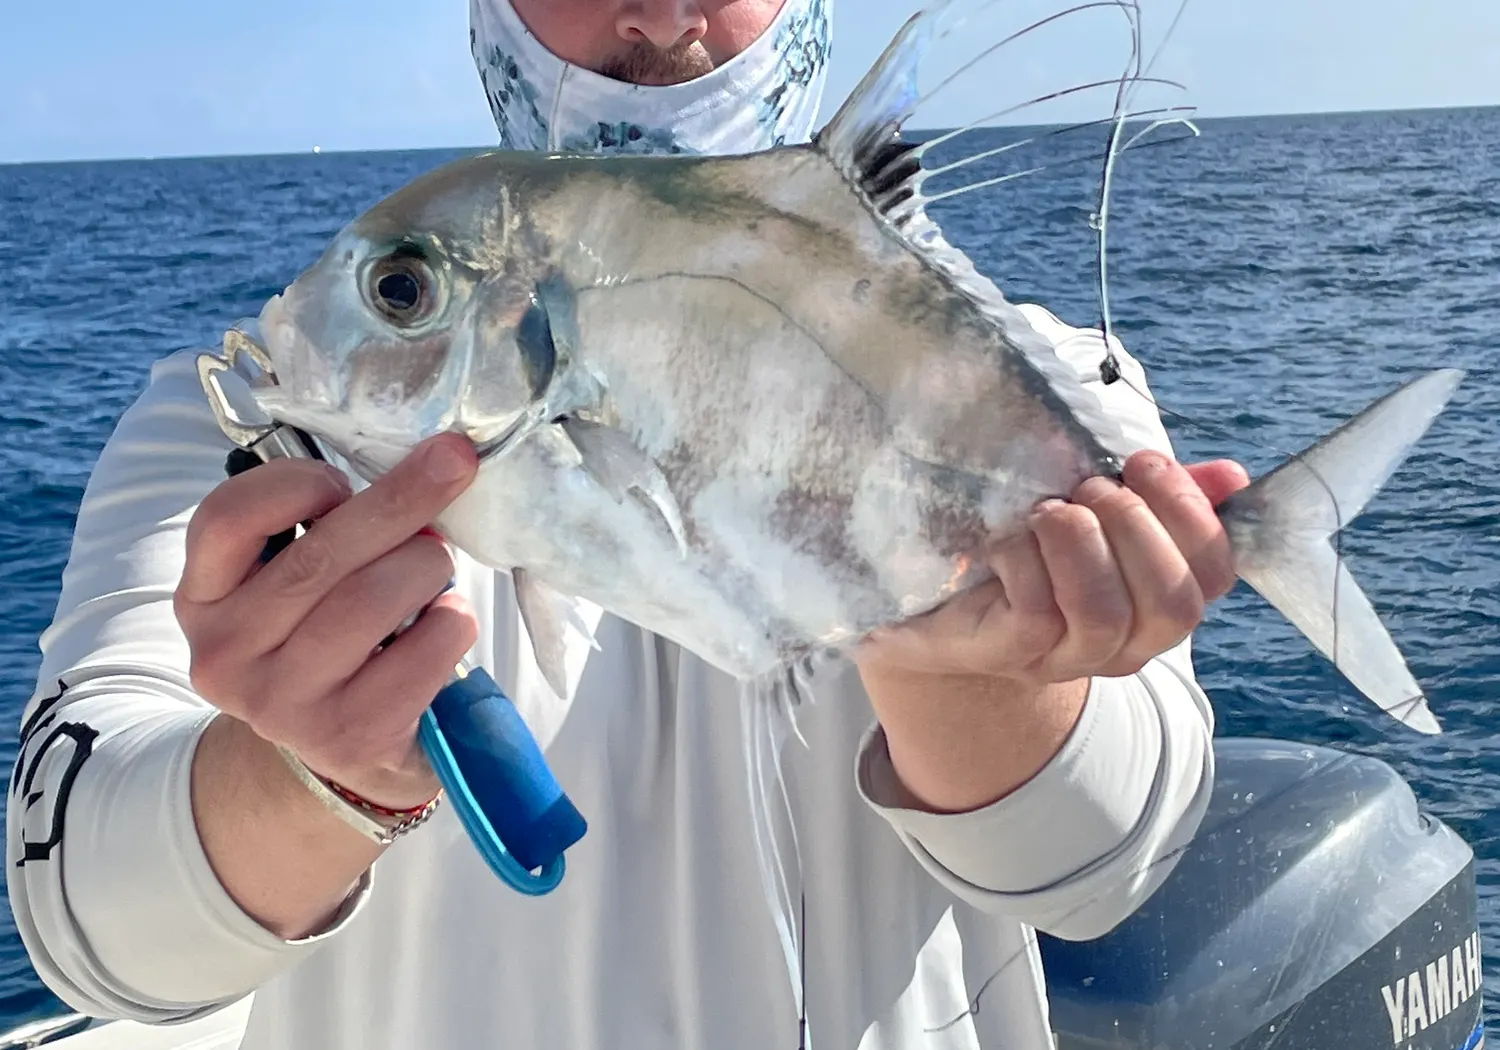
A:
[99,78]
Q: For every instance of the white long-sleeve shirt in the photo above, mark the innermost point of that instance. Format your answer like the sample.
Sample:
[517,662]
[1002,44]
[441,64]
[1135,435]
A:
[660,935]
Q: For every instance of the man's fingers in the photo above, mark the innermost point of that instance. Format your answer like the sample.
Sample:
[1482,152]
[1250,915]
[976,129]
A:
[953,632]
[338,637]
[1027,622]
[1109,580]
[374,713]
[230,527]
[355,533]
[1186,511]
[1218,478]
[1164,595]
[1090,592]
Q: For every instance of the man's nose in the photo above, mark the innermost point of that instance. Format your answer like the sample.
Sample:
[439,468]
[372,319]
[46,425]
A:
[662,23]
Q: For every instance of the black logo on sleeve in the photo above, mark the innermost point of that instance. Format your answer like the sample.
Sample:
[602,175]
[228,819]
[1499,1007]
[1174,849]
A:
[44,720]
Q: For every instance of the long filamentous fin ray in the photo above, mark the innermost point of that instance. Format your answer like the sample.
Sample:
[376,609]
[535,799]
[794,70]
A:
[1281,528]
[863,143]
[984,184]
[927,145]
[890,92]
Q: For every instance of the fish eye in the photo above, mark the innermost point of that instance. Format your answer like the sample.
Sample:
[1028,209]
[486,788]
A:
[402,288]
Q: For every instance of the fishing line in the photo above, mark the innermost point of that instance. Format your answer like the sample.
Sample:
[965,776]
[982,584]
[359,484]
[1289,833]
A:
[802,1041]
[1127,85]
[793,694]
[767,718]
[1166,37]
[1109,370]
[1022,953]
[1117,143]
[1169,857]
[911,107]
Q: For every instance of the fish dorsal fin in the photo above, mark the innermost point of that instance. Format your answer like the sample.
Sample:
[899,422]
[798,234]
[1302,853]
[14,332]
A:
[864,142]
[859,137]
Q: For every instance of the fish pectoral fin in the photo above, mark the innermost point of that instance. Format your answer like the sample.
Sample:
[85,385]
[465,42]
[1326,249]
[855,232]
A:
[547,615]
[622,468]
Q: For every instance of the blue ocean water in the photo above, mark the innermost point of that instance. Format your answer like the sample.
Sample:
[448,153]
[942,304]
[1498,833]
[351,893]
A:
[1274,275]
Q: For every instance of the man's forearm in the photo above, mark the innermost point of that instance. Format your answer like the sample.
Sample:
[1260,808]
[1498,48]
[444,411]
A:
[959,743]
[286,859]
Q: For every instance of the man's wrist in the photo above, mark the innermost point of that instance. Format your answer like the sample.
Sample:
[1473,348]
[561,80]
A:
[379,823]
[958,743]
[283,857]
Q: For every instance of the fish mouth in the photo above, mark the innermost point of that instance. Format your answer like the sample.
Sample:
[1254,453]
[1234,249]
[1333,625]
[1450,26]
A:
[292,400]
[283,398]
[518,431]
[512,436]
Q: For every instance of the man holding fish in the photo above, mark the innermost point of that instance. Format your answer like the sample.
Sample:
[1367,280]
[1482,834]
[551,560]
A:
[1030,753]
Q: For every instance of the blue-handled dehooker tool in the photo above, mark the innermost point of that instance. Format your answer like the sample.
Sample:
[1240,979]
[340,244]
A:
[490,765]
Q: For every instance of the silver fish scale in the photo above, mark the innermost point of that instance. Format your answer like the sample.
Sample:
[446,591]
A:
[835,421]
[840,429]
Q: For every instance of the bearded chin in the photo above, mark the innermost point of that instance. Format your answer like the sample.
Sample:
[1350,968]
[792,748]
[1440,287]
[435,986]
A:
[657,67]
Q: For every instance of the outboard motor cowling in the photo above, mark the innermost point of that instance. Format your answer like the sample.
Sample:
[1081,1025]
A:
[1317,909]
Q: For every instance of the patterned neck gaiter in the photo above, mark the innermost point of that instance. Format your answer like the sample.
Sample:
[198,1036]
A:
[766,96]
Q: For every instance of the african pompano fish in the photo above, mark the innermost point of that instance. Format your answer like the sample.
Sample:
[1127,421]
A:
[756,404]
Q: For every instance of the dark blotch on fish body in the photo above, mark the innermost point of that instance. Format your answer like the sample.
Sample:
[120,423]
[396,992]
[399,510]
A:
[539,353]
[697,187]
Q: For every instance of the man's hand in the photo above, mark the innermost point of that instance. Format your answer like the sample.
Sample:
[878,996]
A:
[977,696]
[1095,586]
[288,648]
[288,652]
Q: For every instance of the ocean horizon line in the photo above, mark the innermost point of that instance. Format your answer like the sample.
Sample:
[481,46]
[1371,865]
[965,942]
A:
[318,150]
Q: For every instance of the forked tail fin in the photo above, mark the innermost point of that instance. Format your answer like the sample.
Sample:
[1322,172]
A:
[1281,526]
